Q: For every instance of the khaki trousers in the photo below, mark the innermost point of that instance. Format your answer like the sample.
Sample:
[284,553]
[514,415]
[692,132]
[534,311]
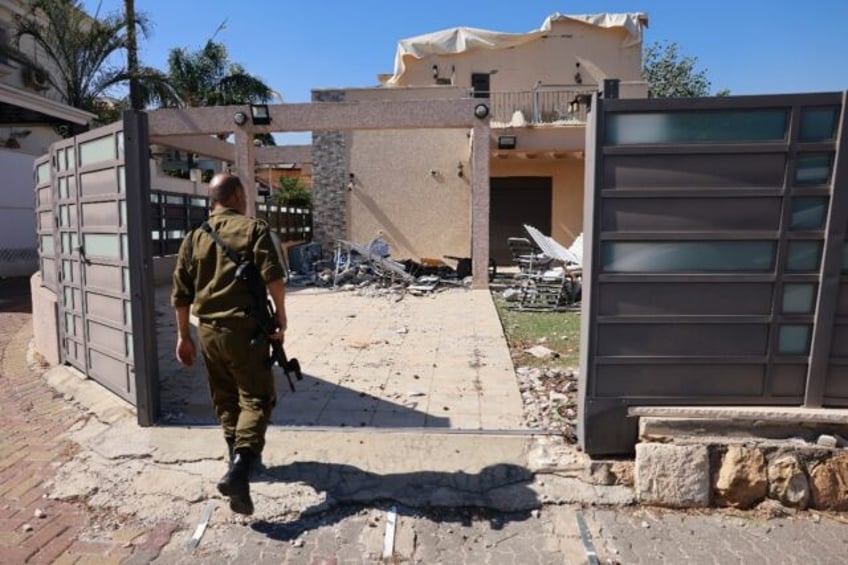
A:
[240,380]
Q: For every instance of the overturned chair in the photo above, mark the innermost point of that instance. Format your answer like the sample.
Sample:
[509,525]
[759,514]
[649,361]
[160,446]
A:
[558,286]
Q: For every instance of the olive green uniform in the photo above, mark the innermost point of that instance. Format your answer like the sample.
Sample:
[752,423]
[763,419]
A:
[240,380]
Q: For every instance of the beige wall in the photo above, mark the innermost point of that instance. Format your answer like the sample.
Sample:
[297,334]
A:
[551,60]
[45,324]
[420,214]
[407,191]
[567,187]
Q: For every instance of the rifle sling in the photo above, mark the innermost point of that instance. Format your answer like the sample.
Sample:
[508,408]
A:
[221,243]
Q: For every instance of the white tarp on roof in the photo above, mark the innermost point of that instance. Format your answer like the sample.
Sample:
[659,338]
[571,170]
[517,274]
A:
[461,39]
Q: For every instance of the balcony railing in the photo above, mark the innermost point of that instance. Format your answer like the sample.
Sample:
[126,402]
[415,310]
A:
[545,104]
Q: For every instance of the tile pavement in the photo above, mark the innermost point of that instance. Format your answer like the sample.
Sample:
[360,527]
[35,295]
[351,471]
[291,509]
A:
[34,528]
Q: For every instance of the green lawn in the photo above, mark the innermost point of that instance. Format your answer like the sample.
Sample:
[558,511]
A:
[559,330]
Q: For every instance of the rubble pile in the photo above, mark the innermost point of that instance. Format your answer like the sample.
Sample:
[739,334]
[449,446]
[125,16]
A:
[550,400]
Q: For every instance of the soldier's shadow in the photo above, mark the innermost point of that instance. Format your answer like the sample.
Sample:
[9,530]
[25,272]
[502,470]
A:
[503,488]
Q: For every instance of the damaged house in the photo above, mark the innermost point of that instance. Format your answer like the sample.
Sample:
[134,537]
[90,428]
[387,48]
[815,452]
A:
[411,188]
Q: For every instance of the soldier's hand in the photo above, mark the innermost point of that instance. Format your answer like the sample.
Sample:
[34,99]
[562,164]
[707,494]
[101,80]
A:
[282,322]
[185,351]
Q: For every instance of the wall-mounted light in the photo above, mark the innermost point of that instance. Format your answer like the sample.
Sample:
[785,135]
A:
[578,78]
[240,118]
[460,170]
[481,111]
[260,114]
[435,71]
[507,141]
[351,181]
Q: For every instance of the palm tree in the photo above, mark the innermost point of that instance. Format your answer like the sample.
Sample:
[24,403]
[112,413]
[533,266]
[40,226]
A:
[206,77]
[82,49]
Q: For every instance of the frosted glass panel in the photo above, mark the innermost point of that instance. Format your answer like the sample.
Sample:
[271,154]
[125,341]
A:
[803,256]
[60,160]
[66,244]
[122,180]
[125,275]
[812,170]
[798,298]
[127,313]
[103,245]
[128,346]
[818,124]
[64,216]
[67,272]
[123,213]
[47,245]
[42,173]
[794,340]
[97,150]
[710,126]
[63,187]
[687,256]
[72,158]
[808,213]
[125,253]
[120,138]
[69,298]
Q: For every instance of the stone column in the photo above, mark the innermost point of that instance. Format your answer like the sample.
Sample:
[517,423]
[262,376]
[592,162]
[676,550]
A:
[480,204]
[330,177]
[245,167]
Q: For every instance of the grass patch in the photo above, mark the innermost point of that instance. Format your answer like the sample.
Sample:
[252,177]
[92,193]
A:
[558,331]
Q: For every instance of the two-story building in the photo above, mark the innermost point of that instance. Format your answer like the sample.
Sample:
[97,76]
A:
[412,187]
[32,116]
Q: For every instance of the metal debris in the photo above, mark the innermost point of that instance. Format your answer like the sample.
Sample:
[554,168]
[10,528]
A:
[389,540]
[192,544]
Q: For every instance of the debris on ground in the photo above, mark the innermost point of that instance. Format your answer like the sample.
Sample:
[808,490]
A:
[363,268]
[550,399]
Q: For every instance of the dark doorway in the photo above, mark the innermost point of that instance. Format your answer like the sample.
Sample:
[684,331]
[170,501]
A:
[516,201]
[480,85]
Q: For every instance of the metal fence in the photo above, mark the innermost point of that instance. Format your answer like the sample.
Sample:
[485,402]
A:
[716,264]
[544,104]
[174,214]
[291,223]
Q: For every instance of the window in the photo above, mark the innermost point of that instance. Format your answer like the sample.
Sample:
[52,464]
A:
[687,256]
[709,126]
[818,124]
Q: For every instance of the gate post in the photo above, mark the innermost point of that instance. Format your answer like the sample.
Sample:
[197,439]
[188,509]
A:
[146,358]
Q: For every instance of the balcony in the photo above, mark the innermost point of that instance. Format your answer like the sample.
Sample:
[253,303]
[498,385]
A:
[544,104]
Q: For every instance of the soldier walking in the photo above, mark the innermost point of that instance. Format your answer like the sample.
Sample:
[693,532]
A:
[240,378]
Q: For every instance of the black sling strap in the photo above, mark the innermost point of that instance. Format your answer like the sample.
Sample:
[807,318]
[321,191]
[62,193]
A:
[221,243]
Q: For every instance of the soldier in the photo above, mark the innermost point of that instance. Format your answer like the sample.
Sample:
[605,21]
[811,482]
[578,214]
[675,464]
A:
[240,379]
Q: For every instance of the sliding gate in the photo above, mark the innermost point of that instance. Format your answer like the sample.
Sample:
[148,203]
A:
[95,256]
[717,269]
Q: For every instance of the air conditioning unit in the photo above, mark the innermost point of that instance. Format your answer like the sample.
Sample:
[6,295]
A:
[35,78]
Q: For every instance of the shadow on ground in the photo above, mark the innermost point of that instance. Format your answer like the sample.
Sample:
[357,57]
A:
[498,493]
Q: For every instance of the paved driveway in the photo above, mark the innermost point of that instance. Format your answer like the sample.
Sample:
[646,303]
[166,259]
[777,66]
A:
[374,360]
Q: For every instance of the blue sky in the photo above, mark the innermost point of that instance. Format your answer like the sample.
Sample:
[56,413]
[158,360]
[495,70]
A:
[748,46]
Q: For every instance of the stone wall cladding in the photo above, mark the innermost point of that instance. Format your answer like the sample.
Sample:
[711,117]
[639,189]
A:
[689,473]
[329,179]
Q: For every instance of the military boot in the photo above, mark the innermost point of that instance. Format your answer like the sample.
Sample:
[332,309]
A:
[236,483]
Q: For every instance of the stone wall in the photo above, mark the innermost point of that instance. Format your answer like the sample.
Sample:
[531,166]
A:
[682,471]
[330,178]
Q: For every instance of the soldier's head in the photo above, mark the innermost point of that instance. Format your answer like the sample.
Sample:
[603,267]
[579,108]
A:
[226,191]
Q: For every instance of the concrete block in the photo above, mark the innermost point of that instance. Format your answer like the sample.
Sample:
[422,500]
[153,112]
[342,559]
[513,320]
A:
[677,476]
[45,321]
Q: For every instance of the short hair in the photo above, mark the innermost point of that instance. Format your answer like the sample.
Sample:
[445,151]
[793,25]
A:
[222,188]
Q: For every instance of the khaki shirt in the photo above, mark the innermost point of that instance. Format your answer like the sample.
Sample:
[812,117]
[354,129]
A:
[205,277]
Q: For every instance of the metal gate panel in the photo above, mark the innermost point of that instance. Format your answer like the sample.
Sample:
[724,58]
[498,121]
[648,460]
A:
[715,267]
[92,256]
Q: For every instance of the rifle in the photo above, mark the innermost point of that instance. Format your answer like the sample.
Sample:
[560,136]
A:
[262,310]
